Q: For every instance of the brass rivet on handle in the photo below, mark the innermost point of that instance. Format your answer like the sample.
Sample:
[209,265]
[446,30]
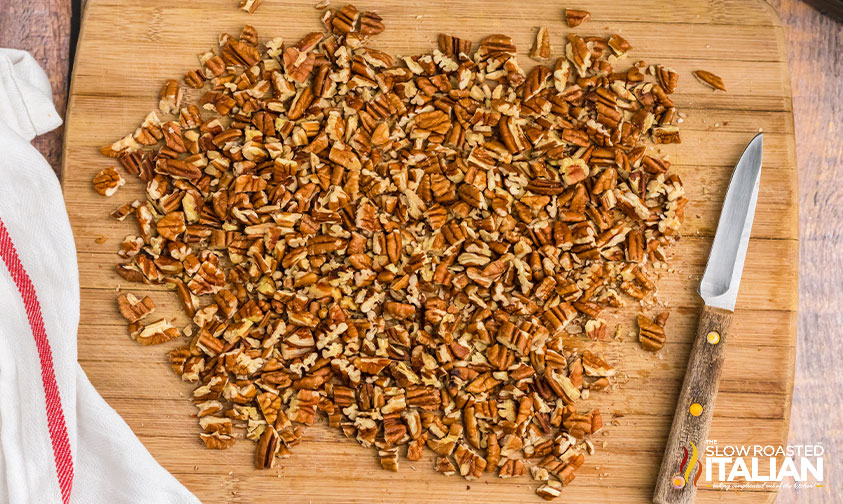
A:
[696,409]
[713,337]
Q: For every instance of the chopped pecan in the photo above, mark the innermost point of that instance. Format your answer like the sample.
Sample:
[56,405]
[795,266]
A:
[454,46]
[650,334]
[250,6]
[668,78]
[710,80]
[217,441]
[298,64]
[194,79]
[512,468]
[170,97]
[595,366]
[470,464]
[444,466]
[596,329]
[576,17]
[107,181]
[267,449]
[550,490]
[154,333]
[371,24]
[134,309]
[541,46]
[389,456]
[171,225]
[619,45]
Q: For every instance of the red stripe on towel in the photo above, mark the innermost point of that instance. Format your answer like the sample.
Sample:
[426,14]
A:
[55,414]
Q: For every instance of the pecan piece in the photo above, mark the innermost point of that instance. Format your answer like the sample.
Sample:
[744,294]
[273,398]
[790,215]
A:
[619,45]
[194,79]
[173,136]
[107,181]
[578,53]
[650,334]
[576,17]
[666,134]
[170,97]
[250,6]
[512,468]
[496,45]
[454,46]
[435,121]
[345,19]
[470,464]
[217,441]
[134,309]
[267,448]
[154,333]
[550,490]
[389,456]
[443,465]
[541,46]
[300,103]
[298,64]
[208,279]
[371,24]
[546,187]
[668,78]
[400,310]
[171,225]
[710,80]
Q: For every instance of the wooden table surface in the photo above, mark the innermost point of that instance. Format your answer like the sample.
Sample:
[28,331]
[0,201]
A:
[45,27]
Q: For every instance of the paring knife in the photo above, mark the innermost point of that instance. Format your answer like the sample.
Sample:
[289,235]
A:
[677,479]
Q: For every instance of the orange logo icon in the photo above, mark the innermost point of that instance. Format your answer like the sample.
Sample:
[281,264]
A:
[680,480]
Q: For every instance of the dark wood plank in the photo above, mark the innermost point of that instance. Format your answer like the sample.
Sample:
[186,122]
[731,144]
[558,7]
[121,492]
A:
[815,44]
[42,27]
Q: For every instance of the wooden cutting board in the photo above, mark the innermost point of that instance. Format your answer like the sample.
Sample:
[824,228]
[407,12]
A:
[127,48]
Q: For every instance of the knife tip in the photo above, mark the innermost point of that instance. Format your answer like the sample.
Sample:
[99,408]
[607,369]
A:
[757,142]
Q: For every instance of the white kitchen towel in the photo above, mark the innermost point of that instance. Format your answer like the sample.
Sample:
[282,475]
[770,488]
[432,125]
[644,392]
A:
[59,440]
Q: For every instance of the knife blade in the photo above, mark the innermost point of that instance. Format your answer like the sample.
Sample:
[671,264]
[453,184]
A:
[681,465]
[719,285]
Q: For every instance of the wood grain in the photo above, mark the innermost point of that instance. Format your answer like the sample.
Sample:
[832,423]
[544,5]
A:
[816,43]
[814,46]
[42,27]
[695,407]
[110,97]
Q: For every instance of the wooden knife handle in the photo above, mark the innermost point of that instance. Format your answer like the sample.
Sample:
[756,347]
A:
[692,420]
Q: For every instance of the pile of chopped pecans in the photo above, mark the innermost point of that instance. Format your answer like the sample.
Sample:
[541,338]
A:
[400,243]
